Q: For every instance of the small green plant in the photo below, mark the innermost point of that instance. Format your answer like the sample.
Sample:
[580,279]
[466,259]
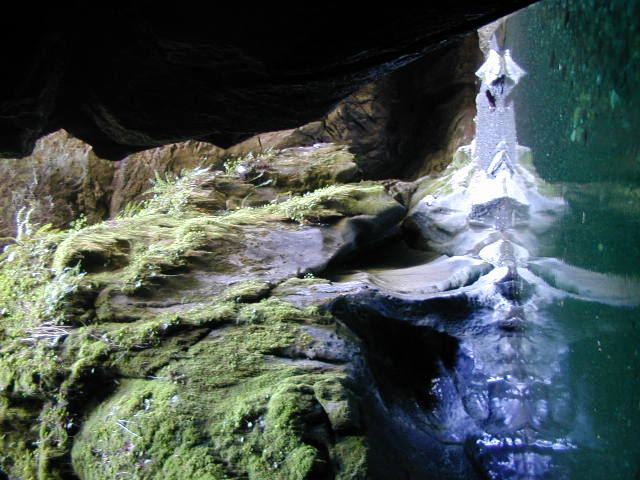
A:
[313,204]
[33,295]
[170,194]
[240,165]
[233,164]
[131,209]
[79,223]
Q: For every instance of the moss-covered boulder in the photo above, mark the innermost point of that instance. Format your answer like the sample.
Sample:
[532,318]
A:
[163,343]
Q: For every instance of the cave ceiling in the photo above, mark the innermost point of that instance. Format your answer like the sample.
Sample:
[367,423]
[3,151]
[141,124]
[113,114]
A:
[127,76]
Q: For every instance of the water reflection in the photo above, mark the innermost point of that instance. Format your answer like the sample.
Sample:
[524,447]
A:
[545,384]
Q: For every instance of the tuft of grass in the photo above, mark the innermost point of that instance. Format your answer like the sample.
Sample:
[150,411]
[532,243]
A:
[33,294]
[171,194]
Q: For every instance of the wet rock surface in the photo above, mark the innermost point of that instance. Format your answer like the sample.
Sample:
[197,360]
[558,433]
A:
[263,313]
[206,276]
[260,312]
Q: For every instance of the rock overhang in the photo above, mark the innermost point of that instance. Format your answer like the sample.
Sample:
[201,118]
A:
[126,77]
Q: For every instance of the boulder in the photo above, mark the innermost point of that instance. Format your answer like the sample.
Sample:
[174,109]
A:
[182,359]
[60,181]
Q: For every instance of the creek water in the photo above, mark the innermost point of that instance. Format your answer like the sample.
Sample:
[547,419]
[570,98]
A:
[579,112]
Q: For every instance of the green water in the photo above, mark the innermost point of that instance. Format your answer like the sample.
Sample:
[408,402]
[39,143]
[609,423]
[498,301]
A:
[579,111]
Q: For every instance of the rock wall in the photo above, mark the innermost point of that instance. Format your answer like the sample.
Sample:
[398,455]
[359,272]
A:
[406,125]
[62,180]
[410,123]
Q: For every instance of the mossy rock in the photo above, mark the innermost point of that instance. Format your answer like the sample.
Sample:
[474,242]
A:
[351,455]
[300,169]
[223,411]
[158,371]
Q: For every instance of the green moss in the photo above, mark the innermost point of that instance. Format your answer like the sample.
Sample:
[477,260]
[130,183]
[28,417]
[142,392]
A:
[266,421]
[54,440]
[32,445]
[18,437]
[302,283]
[211,314]
[366,198]
[247,292]
[38,307]
[261,424]
[339,403]
[196,463]
[213,409]
[142,432]
[351,456]
[164,394]
[272,310]
[284,427]
[252,422]
[33,295]
[28,371]
[134,349]
[138,253]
